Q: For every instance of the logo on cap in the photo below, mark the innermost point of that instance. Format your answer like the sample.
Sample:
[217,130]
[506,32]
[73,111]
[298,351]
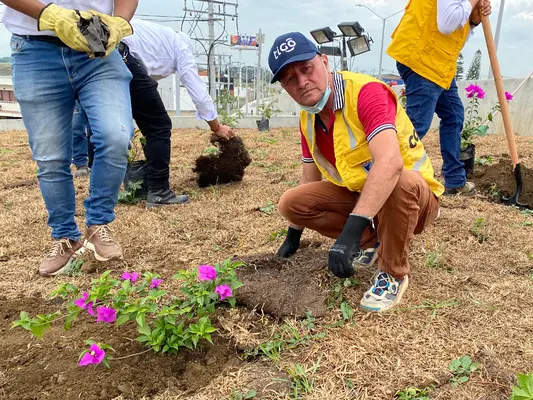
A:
[284,47]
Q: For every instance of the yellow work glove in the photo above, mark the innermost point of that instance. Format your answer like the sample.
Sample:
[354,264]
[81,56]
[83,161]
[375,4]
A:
[64,23]
[118,27]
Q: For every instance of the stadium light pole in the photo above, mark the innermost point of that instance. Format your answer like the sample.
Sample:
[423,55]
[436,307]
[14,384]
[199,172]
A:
[384,20]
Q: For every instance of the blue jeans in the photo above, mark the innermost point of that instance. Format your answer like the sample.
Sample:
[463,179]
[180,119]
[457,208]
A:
[424,98]
[80,148]
[48,79]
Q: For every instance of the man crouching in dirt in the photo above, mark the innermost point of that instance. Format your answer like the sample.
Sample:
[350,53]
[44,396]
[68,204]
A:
[379,183]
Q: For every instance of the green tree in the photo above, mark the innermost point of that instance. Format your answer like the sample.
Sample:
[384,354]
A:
[459,76]
[474,72]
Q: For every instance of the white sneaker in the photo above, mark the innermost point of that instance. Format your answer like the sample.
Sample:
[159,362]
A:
[385,292]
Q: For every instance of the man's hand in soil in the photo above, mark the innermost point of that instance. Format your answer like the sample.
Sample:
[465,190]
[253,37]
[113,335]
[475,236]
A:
[291,243]
[483,7]
[347,246]
[224,132]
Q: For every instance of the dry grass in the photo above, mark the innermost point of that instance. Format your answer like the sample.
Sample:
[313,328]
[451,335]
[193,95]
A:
[477,300]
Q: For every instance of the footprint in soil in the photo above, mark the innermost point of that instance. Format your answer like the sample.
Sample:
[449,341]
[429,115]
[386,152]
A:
[225,167]
[283,287]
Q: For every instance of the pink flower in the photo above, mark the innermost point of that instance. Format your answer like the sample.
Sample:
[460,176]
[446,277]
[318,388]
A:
[508,96]
[95,355]
[224,291]
[155,283]
[474,91]
[106,315]
[207,273]
[130,277]
[83,303]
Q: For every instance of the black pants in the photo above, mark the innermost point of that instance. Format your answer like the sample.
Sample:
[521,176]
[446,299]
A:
[152,119]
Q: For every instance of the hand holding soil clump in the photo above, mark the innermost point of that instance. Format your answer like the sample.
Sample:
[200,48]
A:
[226,166]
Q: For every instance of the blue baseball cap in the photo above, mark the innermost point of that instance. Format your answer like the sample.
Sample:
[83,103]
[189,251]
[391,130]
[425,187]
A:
[289,48]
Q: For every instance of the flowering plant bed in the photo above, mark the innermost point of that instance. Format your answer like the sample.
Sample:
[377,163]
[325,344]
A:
[165,323]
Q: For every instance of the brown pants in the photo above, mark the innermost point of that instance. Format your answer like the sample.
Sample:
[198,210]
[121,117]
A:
[325,207]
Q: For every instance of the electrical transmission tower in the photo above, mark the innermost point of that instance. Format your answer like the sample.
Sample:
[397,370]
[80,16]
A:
[217,12]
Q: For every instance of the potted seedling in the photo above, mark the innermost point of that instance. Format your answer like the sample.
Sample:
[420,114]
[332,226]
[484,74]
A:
[266,110]
[475,125]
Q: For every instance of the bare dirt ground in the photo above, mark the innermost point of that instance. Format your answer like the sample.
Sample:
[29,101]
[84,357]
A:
[470,293]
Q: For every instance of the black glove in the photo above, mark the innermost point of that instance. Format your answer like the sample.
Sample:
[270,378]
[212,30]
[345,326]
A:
[96,33]
[291,243]
[347,246]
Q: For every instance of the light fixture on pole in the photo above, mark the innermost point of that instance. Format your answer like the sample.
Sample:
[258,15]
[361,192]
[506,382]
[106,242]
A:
[380,74]
[351,30]
[359,45]
[323,35]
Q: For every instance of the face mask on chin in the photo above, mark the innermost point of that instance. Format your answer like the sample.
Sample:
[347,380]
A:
[319,106]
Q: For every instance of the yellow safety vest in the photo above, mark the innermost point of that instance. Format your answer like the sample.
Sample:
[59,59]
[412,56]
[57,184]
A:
[418,43]
[353,159]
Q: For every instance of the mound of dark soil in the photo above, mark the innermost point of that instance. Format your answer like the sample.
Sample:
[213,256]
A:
[498,180]
[225,167]
[284,287]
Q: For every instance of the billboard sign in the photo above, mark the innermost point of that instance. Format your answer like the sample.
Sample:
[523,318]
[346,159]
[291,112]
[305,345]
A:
[243,40]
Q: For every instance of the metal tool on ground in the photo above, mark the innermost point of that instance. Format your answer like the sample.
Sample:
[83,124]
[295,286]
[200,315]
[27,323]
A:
[511,142]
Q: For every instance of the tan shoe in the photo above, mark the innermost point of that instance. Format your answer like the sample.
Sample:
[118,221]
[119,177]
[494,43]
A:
[466,190]
[60,257]
[101,242]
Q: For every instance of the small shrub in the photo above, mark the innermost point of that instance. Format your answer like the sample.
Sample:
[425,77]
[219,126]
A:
[461,369]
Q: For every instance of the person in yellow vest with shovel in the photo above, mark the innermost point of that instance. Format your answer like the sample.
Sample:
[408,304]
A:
[426,45]
[379,182]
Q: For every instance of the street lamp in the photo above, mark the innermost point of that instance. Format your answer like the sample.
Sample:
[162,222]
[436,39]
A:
[382,34]
[348,29]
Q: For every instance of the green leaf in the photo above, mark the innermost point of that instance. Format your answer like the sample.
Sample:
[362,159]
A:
[145,330]
[143,338]
[141,320]
[38,330]
[526,382]
[207,337]
[347,311]
[71,317]
[122,319]
[462,379]
[250,394]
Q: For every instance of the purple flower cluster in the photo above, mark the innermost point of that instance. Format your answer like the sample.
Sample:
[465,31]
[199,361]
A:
[475,91]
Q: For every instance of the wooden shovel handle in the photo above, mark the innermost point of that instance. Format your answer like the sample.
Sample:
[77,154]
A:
[498,80]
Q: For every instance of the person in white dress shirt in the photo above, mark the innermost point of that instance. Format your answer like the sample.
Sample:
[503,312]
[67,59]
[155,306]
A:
[155,52]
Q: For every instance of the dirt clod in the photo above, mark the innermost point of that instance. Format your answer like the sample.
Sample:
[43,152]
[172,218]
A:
[283,287]
[225,167]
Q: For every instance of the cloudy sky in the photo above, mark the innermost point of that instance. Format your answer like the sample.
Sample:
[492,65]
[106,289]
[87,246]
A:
[275,17]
